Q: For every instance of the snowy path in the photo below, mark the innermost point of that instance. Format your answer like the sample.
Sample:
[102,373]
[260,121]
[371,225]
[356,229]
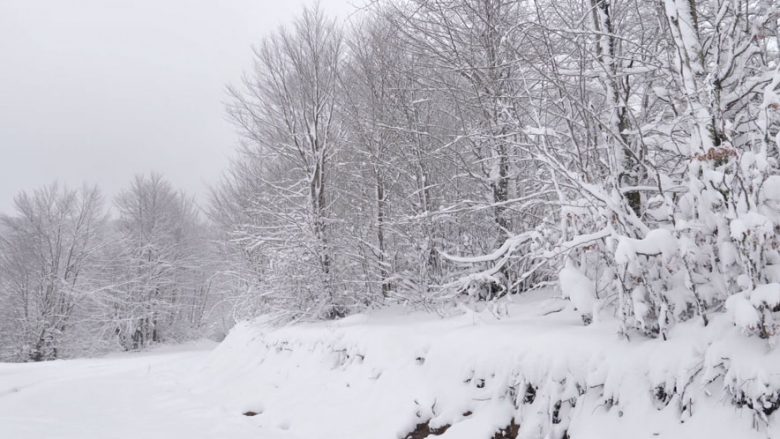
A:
[139,396]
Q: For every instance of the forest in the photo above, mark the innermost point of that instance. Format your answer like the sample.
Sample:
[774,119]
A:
[434,154]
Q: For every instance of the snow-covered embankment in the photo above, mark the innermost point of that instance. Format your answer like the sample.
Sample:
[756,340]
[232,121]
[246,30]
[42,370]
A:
[538,373]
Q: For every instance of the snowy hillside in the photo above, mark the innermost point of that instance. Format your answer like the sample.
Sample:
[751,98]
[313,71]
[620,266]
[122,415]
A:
[536,373]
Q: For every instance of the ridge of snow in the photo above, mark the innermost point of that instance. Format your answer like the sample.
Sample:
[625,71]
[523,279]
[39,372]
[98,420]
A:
[382,373]
[656,242]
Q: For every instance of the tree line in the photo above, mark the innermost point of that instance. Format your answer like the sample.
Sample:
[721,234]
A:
[75,280]
[435,150]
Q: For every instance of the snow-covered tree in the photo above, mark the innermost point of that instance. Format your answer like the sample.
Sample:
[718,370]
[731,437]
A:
[286,114]
[47,249]
[158,288]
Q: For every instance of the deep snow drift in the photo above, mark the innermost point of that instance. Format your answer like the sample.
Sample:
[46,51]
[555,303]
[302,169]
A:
[527,368]
[537,367]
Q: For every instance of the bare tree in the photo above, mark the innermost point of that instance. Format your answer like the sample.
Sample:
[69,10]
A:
[158,261]
[46,251]
[286,111]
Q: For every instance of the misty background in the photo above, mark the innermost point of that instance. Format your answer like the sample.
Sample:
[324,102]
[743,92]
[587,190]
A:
[97,91]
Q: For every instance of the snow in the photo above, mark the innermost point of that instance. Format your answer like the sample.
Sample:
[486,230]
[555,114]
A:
[751,222]
[378,375]
[135,396]
[770,191]
[540,131]
[656,242]
[767,295]
[745,308]
[742,312]
[578,288]
[382,373]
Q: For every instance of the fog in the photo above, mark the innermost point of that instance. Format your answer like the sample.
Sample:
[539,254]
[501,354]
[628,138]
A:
[95,91]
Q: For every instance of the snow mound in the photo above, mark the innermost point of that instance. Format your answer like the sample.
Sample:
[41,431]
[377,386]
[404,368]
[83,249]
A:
[657,242]
[753,310]
[578,288]
[538,373]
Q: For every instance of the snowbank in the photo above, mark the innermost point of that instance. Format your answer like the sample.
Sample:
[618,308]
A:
[471,375]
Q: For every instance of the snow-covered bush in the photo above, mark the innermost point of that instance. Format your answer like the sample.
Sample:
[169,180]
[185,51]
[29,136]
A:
[536,374]
[671,206]
[753,310]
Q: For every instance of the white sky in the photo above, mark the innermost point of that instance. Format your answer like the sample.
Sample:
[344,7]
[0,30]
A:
[99,90]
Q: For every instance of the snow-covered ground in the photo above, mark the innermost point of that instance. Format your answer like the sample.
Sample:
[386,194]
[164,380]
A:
[138,396]
[528,365]
[536,367]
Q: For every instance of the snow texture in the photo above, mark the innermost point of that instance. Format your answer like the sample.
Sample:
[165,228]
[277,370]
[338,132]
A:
[576,287]
[380,375]
[126,396]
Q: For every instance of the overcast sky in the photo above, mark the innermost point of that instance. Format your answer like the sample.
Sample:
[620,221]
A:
[99,90]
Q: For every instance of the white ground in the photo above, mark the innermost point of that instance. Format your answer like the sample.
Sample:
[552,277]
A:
[378,375]
[139,396]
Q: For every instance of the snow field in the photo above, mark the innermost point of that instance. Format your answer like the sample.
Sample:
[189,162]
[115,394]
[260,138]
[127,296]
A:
[124,396]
